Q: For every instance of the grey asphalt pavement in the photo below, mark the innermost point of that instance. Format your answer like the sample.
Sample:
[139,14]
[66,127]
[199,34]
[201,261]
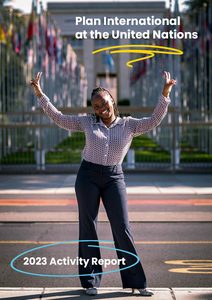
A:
[167,189]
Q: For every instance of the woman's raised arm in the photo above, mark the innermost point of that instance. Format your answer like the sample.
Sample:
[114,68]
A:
[72,123]
[143,125]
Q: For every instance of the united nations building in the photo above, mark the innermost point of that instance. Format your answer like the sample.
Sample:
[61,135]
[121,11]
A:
[91,26]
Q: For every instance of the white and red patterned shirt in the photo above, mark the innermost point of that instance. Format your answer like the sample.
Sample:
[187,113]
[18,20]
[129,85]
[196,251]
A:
[106,145]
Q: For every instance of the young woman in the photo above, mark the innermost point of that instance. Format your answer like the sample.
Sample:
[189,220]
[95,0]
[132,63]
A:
[108,138]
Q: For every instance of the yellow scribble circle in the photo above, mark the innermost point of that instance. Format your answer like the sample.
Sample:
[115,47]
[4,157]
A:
[148,52]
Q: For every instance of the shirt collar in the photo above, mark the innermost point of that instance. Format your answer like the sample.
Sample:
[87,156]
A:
[118,121]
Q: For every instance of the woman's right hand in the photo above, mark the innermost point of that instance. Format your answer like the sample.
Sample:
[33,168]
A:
[35,83]
[169,83]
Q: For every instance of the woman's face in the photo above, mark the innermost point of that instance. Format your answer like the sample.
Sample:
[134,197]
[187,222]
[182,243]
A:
[103,105]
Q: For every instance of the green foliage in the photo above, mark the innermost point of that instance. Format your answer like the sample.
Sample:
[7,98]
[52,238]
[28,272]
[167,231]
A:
[152,156]
[75,141]
[195,157]
[190,154]
[62,157]
[18,157]
[70,149]
[147,150]
[143,141]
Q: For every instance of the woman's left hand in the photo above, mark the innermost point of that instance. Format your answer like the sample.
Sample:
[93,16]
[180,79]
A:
[168,84]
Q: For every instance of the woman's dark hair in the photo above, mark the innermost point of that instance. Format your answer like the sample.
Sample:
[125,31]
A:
[99,90]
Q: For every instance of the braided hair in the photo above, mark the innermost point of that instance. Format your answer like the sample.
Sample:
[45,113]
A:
[99,90]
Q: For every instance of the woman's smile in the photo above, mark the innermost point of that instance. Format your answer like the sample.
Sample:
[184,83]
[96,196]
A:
[106,112]
[103,107]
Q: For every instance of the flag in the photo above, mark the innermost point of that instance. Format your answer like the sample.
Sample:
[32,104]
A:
[14,36]
[17,42]
[10,33]
[2,35]
[108,61]
[50,40]
[139,69]
[32,26]
[59,46]
[2,30]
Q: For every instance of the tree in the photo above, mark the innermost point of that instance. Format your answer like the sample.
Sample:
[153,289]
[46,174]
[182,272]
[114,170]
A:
[196,4]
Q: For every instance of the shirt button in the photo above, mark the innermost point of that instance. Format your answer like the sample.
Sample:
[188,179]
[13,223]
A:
[106,145]
[105,154]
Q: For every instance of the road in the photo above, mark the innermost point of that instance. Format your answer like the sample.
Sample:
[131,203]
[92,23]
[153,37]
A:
[157,244]
[172,233]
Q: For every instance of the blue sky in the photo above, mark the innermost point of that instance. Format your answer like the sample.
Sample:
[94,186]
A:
[25,5]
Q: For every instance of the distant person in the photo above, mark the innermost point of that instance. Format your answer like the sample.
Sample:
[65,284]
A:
[108,138]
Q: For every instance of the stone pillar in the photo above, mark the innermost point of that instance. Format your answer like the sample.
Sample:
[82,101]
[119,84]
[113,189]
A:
[124,74]
[88,61]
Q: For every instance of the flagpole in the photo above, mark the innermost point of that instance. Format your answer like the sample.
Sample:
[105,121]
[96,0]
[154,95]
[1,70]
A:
[210,70]
[208,79]
[177,104]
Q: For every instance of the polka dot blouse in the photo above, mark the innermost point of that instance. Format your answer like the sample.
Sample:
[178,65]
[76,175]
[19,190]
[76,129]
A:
[106,146]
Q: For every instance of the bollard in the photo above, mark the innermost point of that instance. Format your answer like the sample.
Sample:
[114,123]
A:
[43,167]
[176,159]
[40,159]
[131,159]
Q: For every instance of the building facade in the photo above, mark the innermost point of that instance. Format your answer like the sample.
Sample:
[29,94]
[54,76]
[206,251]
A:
[113,74]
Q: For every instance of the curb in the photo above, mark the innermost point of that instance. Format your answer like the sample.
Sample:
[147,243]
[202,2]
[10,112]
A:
[103,293]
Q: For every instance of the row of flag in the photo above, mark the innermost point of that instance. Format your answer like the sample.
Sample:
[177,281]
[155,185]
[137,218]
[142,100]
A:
[36,39]
[32,43]
[200,22]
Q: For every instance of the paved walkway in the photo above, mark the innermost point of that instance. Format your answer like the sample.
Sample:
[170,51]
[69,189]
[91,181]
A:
[103,293]
[158,184]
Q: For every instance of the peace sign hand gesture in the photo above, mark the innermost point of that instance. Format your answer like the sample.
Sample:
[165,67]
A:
[35,83]
[168,84]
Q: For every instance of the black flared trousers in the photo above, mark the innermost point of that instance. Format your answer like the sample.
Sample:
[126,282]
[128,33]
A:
[95,182]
